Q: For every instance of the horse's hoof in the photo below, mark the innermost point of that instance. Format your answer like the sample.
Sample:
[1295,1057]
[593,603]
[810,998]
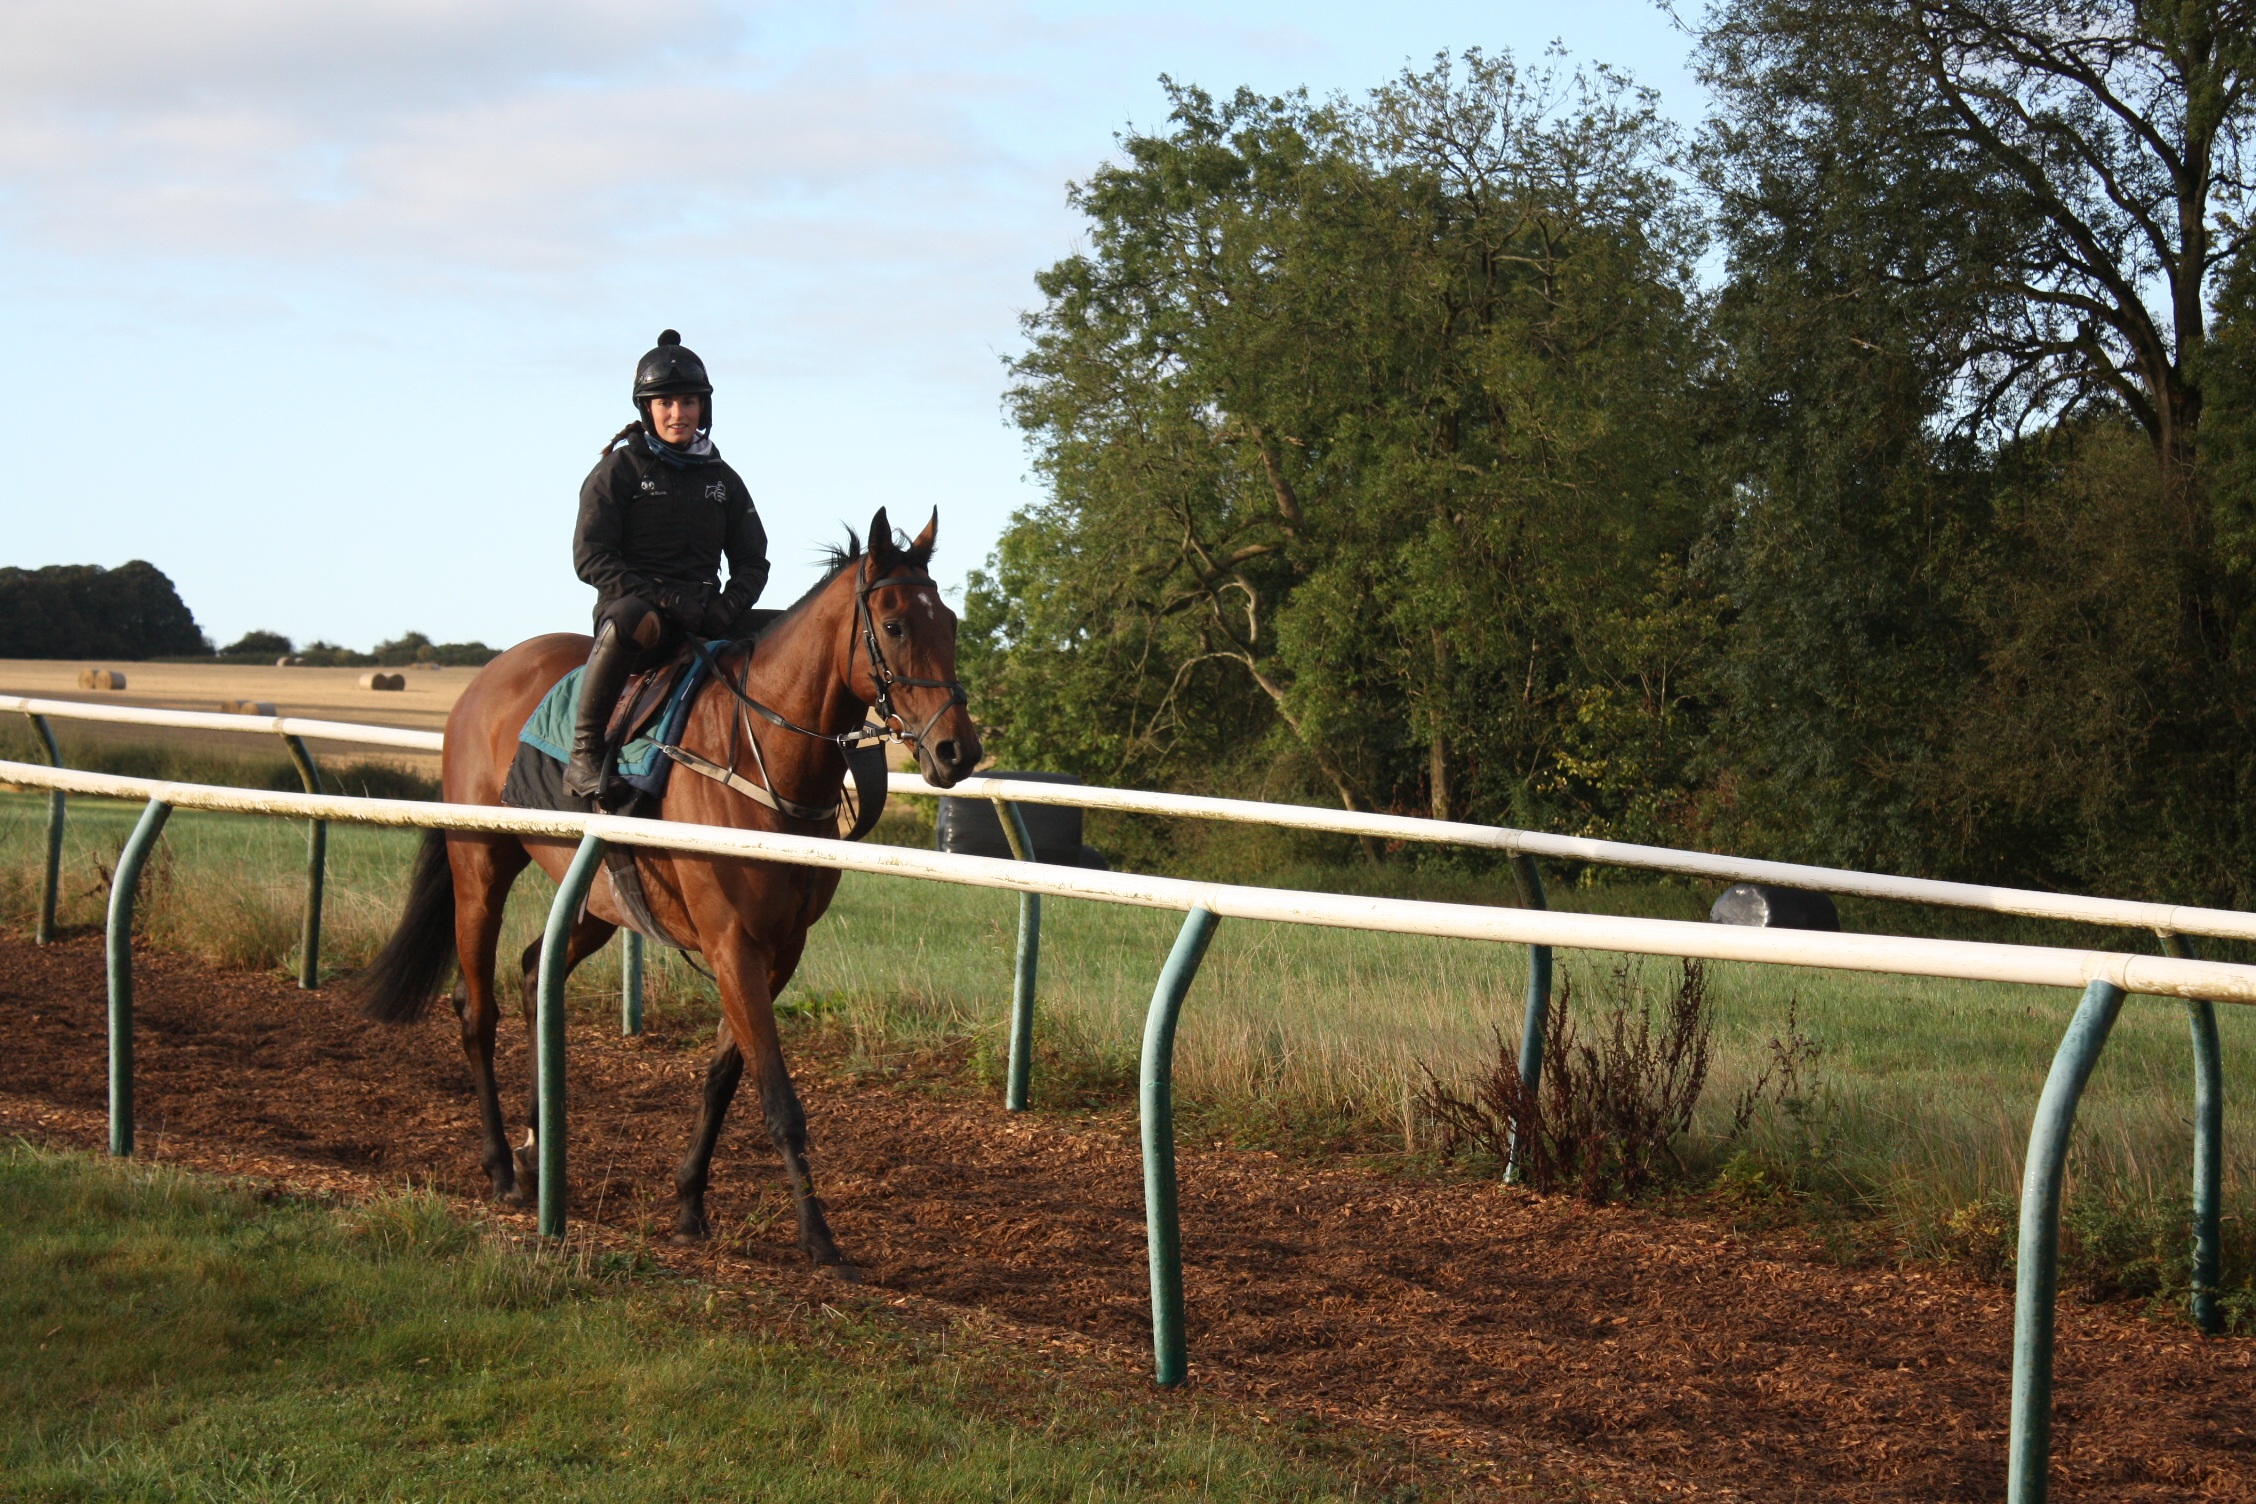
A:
[843,1272]
[691,1239]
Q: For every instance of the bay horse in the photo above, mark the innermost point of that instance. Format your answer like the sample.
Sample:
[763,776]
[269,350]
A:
[874,633]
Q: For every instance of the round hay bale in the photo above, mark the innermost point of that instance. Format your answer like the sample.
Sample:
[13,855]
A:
[100,678]
[247,707]
[383,681]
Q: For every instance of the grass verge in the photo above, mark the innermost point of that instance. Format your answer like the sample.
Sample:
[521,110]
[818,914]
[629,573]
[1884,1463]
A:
[165,1338]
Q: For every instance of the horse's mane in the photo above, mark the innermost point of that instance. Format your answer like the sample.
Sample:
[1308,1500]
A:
[837,558]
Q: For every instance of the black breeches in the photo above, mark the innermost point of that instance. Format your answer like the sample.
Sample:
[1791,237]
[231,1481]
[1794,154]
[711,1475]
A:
[650,634]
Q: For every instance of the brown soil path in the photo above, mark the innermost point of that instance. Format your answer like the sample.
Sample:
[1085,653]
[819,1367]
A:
[1635,1355]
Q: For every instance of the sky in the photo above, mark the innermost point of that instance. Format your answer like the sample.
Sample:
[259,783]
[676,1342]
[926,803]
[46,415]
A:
[326,309]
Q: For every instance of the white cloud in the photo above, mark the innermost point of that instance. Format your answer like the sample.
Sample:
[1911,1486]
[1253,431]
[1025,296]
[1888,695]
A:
[499,133]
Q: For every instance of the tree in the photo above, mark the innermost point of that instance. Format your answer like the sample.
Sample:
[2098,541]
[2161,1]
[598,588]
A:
[1362,425]
[86,611]
[1974,243]
[2101,150]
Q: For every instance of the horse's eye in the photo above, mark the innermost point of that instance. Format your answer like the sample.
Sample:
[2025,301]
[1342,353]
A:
[892,629]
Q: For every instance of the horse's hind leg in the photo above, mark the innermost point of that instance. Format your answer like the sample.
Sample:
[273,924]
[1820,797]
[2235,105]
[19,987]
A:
[722,1073]
[484,868]
[588,936]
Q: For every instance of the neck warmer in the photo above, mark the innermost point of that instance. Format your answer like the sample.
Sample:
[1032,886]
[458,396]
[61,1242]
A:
[698,451]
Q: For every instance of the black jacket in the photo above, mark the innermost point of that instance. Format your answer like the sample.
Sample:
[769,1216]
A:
[651,529]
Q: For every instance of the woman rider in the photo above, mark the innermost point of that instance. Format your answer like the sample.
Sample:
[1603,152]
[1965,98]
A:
[657,514]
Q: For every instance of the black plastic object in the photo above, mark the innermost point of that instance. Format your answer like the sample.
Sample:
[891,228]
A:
[1767,907]
[971,827]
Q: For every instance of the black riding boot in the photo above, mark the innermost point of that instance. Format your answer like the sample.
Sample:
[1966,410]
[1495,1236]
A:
[606,675]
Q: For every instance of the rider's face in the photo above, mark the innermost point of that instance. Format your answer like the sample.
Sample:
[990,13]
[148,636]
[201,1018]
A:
[675,418]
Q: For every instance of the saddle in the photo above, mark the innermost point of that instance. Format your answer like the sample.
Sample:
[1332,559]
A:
[641,698]
[643,693]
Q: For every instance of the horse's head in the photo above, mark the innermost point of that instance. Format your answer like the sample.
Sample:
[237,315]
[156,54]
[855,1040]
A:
[903,655]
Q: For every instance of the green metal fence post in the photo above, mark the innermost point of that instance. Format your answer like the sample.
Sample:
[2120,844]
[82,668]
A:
[2208,1152]
[1170,1359]
[2037,1279]
[1019,1075]
[630,983]
[556,953]
[119,954]
[1529,881]
[317,870]
[45,933]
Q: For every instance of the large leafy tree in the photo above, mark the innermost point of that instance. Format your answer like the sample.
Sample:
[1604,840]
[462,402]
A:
[2093,162]
[1365,431]
[1973,244]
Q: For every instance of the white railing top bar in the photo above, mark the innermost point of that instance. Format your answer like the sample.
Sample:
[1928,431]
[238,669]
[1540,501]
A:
[1965,960]
[212,720]
[2127,913]
[2123,912]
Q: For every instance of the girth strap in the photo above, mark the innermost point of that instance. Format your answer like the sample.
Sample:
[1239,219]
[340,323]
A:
[747,787]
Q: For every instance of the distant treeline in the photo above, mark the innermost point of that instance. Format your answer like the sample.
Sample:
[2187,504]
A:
[399,652]
[133,612]
[1401,454]
[86,611]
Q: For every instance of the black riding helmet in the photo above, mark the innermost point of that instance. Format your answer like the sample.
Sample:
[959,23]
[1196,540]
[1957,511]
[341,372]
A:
[672,369]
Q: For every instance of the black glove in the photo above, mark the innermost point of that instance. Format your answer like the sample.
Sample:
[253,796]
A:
[725,616]
[685,605]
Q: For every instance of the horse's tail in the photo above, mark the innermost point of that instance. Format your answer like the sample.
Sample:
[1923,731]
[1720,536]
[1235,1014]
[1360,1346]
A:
[419,958]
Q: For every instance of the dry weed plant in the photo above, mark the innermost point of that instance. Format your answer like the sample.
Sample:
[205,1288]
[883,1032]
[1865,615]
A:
[1611,1111]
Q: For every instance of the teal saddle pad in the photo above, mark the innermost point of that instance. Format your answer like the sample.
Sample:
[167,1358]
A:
[548,730]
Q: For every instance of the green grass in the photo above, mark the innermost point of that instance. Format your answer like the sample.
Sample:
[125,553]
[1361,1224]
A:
[165,1339]
[1319,1039]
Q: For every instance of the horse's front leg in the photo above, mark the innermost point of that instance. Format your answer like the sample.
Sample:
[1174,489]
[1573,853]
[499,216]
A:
[749,1037]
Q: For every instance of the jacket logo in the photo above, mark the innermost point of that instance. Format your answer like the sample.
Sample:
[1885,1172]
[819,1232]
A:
[717,491]
[650,485]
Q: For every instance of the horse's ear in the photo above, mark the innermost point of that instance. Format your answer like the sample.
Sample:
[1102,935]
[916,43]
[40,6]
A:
[922,547]
[881,542]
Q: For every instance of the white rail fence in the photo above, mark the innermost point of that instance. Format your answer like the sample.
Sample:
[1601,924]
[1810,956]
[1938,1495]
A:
[2103,977]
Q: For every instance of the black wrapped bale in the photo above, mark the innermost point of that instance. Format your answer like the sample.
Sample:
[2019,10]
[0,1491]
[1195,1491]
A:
[972,827]
[1766,907]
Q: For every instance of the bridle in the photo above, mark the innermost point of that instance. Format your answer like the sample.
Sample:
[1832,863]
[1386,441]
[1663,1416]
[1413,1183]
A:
[884,678]
[891,725]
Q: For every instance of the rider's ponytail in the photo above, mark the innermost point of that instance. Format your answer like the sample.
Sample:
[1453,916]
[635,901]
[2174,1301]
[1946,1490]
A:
[613,442]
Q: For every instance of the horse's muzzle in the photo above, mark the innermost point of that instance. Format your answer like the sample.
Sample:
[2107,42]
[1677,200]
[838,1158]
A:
[946,761]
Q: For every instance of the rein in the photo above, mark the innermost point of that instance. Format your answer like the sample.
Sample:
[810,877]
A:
[892,725]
